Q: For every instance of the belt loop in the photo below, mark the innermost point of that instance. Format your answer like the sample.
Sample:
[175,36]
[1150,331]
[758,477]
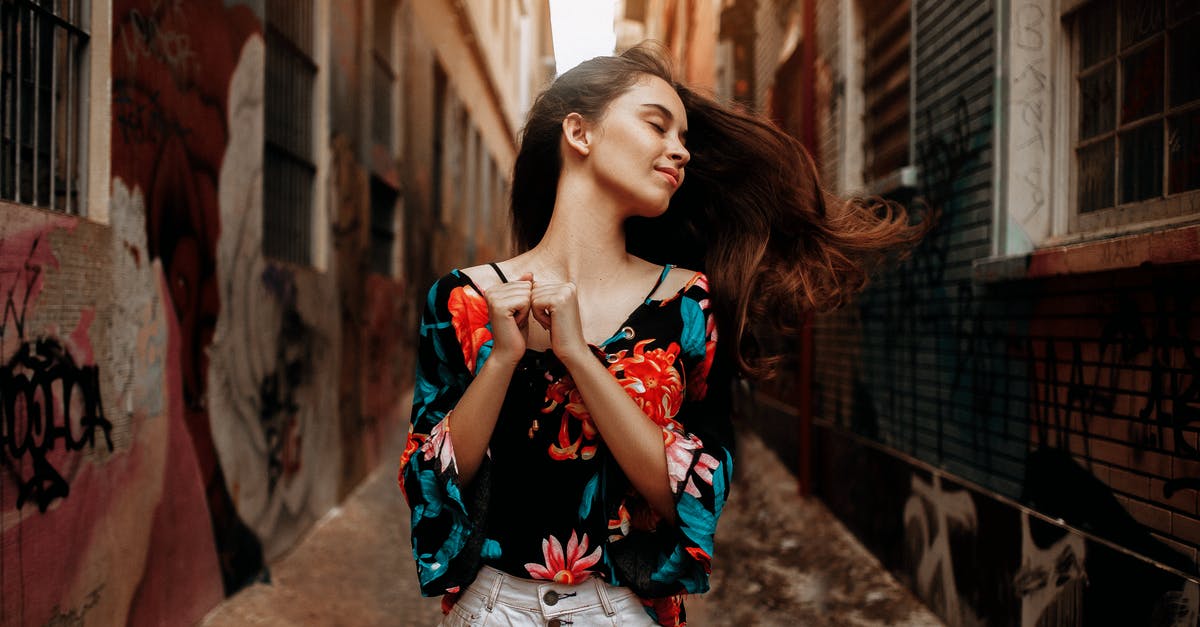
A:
[602,592]
[497,581]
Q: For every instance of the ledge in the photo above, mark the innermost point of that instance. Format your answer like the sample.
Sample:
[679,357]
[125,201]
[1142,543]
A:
[1167,246]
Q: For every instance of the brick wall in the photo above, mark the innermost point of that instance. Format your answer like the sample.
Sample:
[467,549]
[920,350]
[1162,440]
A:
[1075,395]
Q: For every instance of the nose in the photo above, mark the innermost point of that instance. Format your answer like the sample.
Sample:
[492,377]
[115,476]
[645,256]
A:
[679,154]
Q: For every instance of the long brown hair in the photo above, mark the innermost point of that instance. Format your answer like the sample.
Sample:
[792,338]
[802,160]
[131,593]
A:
[751,212]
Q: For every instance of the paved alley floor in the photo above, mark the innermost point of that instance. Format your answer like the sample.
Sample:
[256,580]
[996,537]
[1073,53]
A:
[779,560]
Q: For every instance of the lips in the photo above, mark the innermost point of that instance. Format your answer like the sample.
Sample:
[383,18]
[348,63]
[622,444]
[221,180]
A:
[671,174]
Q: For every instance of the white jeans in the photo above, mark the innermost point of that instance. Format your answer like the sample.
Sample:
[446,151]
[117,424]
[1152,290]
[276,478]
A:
[496,599]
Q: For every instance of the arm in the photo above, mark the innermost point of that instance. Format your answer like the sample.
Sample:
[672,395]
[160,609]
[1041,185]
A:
[689,444]
[635,442]
[477,408]
[463,368]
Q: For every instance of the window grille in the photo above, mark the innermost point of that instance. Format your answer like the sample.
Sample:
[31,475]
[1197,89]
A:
[383,76]
[886,40]
[42,52]
[288,162]
[1137,124]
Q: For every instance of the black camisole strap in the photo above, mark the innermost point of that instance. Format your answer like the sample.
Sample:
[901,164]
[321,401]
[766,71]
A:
[662,277]
[500,274]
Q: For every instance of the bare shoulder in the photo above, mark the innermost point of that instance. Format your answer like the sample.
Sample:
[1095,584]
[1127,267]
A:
[677,279]
[482,275]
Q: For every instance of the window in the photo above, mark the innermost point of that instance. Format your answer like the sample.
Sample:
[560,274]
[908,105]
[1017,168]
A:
[385,190]
[383,76]
[1136,111]
[289,170]
[885,81]
[42,59]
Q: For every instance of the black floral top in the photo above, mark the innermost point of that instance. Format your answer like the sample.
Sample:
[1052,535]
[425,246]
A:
[549,501]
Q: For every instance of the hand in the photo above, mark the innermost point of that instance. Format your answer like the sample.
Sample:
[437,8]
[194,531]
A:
[508,311]
[555,306]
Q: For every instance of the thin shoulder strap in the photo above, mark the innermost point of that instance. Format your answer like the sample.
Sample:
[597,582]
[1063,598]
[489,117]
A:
[495,267]
[661,278]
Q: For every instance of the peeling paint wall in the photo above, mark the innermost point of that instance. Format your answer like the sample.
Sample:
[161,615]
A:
[178,410]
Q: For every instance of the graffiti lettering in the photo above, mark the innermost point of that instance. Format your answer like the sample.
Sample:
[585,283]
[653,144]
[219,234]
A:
[1029,22]
[146,37]
[931,515]
[139,117]
[45,397]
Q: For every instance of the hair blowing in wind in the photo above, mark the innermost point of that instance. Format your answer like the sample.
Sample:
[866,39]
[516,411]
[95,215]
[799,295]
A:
[751,212]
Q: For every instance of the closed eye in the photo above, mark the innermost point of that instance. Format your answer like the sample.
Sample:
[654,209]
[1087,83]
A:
[658,127]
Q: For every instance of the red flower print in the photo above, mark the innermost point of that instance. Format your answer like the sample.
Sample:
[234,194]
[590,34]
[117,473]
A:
[681,450]
[702,556]
[563,392]
[651,380]
[667,610]
[469,316]
[620,525]
[568,568]
[410,446]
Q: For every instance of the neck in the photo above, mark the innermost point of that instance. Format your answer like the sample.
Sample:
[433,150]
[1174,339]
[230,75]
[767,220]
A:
[585,241]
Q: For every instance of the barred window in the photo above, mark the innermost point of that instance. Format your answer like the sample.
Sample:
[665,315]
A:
[886,37]
[289,170]
[384,190]
[384,76]
[1137,110]
[42,52]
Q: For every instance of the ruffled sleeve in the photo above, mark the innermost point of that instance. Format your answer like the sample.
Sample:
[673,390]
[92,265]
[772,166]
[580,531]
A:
[654,557]
[447,517]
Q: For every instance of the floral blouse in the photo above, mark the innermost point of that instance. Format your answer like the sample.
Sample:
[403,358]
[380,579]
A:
[549,501]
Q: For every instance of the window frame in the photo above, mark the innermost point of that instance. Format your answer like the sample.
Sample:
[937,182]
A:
[904,176]
[1036,168]
[317,249]
[1166,208]
[85,62]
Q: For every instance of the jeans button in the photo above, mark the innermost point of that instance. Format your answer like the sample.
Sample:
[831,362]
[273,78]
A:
[554,622]
[551,597]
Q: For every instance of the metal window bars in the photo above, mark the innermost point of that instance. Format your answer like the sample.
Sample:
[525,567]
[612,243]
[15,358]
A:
[289,170]
[41,52]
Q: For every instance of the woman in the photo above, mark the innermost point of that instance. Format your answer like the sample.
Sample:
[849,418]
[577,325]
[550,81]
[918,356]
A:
[584,383]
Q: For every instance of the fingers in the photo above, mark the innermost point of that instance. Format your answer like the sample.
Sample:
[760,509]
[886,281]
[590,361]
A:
[548,298]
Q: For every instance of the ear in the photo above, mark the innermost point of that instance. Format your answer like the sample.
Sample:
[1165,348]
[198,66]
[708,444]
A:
[577,133]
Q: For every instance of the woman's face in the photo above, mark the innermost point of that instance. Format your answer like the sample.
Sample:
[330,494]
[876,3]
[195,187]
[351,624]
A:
[638,148]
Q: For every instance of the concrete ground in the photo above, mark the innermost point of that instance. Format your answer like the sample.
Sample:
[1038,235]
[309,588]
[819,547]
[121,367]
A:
[779,560]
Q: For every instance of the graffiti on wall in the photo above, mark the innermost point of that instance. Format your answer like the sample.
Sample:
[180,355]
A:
[1050,390]
[977,560]
[89,443]
[931,515]
[271,349]
[172,63]
[50,408]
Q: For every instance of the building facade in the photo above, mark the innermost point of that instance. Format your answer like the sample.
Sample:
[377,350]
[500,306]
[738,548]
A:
[1020,394]
[1008,417]
[216,222]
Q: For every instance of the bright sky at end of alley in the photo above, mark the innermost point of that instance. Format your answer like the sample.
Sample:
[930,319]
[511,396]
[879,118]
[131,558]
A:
[582,29]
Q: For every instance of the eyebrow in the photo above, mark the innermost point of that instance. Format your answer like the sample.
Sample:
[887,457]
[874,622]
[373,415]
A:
[666,113]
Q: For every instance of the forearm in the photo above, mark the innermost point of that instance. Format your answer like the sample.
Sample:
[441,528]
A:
[634,440]
[474,417]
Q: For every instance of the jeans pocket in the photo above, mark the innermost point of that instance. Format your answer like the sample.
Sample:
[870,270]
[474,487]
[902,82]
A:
[461,616]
